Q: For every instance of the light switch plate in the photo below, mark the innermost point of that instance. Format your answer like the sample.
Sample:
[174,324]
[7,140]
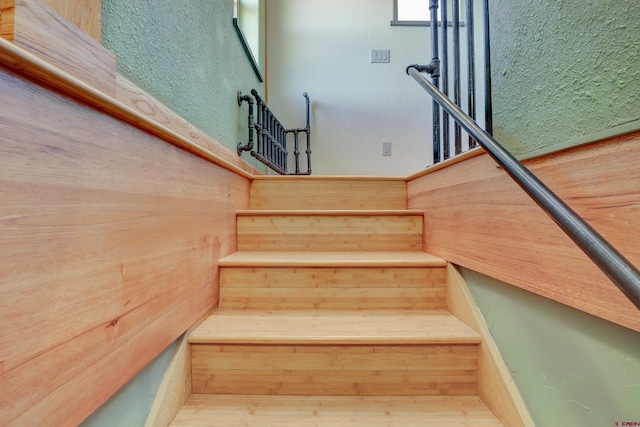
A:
[386,148]
[379,56]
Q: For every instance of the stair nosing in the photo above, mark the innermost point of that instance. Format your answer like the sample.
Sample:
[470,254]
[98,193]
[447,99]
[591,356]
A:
[456,332]
[331,212]
[341,259]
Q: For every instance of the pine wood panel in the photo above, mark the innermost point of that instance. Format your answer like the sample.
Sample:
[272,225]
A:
[109,241]
[140,101]
[335,370]
[7,19]
[332,327]
[495,385]
[39,29]
[290,411]
[332,288]
[308,232]
[478,218]
[84,14]
[328,193]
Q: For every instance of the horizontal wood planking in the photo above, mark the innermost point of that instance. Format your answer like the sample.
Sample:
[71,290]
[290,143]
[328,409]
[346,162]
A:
[44,32]
[495,385]
[328,193]
[333,327]
[478,218]
[138,100]
[291,411]
[109,247]
[335,370]
[332,288]
[84,14]
[308,232]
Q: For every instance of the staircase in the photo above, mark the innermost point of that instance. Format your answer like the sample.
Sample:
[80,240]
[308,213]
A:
[331,314]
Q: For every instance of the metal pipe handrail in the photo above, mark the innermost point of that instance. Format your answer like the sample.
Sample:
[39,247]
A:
[612,263]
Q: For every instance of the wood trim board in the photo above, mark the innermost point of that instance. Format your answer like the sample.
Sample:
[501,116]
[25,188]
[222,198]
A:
[38,28]
[495,385]
[84,14]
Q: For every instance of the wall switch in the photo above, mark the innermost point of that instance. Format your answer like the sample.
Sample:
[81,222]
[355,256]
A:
[386,148]
[379,56]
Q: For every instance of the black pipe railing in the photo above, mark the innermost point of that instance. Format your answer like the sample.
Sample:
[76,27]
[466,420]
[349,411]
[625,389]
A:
[271,147]
[445,142]
[621,272]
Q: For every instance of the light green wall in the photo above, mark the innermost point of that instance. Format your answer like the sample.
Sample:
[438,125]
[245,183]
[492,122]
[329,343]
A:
[564,70]
[186,54]
[572,369]
[131,405]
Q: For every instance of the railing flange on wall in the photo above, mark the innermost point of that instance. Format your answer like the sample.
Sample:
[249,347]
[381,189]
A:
[249,145]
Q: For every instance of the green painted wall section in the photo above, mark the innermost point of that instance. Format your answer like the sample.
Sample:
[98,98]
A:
[188,55]
[572,369]
[131,405]
[563,70]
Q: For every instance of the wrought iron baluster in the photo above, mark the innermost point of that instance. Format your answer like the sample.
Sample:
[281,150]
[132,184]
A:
[471,68]
[445,76]
[456,71]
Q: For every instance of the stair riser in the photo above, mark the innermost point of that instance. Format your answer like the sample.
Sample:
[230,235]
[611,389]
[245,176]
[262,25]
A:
[332,288]
[330,233]
[328,194]
[331,370]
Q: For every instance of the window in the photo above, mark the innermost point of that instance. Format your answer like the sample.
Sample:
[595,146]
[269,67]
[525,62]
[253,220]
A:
[248,18]
[417,13]
[411,12]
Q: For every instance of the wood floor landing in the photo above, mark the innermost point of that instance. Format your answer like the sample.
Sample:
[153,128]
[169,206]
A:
[333,327]
[331,259]
[292,411]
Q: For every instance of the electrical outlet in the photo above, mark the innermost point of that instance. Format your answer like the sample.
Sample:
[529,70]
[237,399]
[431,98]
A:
[378,56]
[386,148]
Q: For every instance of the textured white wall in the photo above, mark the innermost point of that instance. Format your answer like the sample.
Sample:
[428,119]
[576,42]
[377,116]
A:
[322,47]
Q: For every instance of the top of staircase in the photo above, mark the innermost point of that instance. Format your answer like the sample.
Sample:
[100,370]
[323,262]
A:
[331,259]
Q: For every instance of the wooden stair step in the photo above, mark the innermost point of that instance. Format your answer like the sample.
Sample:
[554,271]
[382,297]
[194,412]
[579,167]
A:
[332,353]
[305,411]
[333,327]
[328,192]
[343,288]
[317,230]
[331,259]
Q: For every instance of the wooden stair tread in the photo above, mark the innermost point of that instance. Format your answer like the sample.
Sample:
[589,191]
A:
[345,178]
[333,327]
[331,212]
[331,259]
[302,411]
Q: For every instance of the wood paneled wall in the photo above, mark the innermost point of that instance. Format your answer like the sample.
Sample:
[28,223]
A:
[109,241]
[111,227]
[477,217]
